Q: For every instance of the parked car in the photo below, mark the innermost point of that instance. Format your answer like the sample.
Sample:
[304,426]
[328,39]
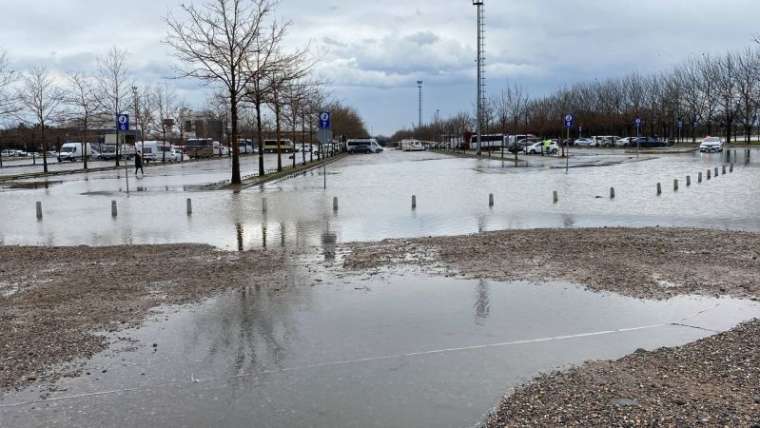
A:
[521,145]
[605,140]
[625,142]
[540,148]
[711,145]
[8,153]
[646,142]
[585,142]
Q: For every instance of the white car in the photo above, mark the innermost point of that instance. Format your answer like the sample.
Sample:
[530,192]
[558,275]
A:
[175,155]
[711,145]
[538,148]
[624,142]
[585,142]
[8,153]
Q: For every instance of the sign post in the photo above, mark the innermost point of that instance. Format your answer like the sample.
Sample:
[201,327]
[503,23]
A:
[637,122]
[569,122]
[122,124]
[325,132]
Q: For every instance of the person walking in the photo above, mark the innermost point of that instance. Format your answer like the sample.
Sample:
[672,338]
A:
[139,163]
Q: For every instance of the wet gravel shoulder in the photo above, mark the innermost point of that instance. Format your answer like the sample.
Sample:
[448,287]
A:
[54,301]
[650,263]
[712,382]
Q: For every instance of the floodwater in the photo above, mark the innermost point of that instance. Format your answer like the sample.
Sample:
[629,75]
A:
[383,350]
[374,196]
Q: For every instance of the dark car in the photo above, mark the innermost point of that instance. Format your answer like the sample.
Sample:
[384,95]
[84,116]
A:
[646,142]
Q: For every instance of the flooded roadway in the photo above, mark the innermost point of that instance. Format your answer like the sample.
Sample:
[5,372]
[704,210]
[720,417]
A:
[374,194]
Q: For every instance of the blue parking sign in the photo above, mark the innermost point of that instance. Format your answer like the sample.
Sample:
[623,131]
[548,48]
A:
[325,121]
[122,122]
[569,120]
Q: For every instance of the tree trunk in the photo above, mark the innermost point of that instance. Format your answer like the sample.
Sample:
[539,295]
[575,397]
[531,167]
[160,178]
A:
[259,136]
[44,149]
[234,132]
[277,130]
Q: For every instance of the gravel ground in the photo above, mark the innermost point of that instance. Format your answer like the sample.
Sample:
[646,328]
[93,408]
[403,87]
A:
[712,382]
[646,263]
[53,301]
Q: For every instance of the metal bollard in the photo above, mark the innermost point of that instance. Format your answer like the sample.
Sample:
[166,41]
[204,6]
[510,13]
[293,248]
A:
[414,202]
[699,178]
[724,169]
[114,210]
[39,210]
[556,197]
[688,180]
[335,203]
[708,174]
[189,206]
[612,193]
[675,185]
[659,189]
[716,172]
[731,168]
[490,199]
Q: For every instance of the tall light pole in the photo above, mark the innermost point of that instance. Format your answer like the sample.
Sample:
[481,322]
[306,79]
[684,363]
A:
[481,59]
[419,88]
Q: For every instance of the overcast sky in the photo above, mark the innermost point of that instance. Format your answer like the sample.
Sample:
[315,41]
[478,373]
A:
[373,52]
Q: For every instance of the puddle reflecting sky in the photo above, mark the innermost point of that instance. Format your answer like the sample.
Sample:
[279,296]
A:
[385,351]
[374,201]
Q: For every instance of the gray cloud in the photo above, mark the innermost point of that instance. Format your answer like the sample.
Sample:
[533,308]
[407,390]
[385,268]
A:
[373,52]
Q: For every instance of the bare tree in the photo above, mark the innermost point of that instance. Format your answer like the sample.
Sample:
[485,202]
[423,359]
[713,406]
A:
[215,41]
[261,64]
[8,104]
[85,106]
[164,99]
[42,100]
[113,87]
[144,113]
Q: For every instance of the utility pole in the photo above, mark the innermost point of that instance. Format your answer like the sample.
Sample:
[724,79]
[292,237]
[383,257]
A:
[419,113]
[481,78]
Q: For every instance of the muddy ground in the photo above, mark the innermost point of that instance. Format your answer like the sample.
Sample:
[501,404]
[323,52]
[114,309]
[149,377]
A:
[54,300]
[646,263]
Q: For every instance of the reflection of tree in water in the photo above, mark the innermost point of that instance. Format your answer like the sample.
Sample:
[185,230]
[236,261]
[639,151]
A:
[482,302]
[329,243]
[249,331]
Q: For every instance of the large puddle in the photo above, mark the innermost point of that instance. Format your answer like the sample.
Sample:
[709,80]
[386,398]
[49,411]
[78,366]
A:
[374,198]
[385,350]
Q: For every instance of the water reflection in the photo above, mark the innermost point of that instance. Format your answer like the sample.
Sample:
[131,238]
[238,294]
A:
[482,302]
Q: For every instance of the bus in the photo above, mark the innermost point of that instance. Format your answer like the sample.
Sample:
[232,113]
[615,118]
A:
[488,142]
[286,146]
[199,148]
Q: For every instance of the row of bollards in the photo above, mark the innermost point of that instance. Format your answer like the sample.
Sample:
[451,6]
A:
[115,208]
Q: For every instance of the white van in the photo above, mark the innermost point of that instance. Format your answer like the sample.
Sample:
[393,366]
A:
[412,146]
[153,151]
[75,151]
[369,145]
